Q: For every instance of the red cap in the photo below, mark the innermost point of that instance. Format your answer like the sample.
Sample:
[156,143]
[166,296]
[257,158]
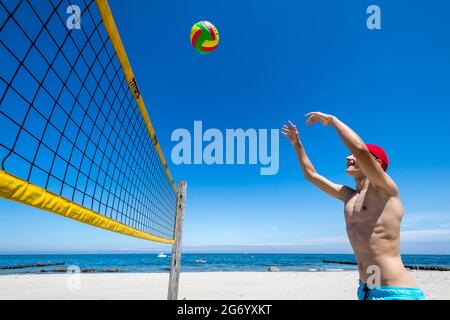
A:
[379,153]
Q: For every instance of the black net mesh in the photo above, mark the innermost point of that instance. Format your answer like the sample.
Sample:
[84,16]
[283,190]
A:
[68,121]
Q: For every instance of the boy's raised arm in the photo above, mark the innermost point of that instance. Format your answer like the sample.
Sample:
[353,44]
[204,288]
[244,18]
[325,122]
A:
[333,189]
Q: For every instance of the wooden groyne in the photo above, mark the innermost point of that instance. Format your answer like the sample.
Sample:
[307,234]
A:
[64,270]
[411,267]
[429,268]
[33,265]
[340,262]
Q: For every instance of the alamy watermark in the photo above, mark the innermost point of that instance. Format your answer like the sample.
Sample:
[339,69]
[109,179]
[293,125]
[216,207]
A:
[74,20]
[374,280]
[235,146]
[73,280]
[374,20]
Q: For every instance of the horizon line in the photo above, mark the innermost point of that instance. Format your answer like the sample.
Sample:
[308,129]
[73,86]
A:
[193,252]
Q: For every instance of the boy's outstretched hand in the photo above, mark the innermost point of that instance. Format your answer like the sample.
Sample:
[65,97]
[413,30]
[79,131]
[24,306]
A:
[323,118]
[290,131]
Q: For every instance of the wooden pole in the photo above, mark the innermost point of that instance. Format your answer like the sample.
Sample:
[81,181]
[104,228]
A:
[175,266]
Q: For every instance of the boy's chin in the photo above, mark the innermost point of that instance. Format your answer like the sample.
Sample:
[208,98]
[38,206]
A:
[353,172]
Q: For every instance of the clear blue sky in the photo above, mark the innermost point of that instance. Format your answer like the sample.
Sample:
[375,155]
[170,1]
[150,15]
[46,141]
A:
[276,61]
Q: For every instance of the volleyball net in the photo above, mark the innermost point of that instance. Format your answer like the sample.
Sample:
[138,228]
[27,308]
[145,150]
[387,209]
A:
[75,135]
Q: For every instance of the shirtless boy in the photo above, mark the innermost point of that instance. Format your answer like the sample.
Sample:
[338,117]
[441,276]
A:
[373,212]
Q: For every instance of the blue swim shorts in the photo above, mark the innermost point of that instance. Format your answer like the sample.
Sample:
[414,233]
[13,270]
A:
[389,293]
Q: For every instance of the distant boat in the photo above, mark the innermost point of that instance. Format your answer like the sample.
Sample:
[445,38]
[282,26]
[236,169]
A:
[201,261]
[162,255]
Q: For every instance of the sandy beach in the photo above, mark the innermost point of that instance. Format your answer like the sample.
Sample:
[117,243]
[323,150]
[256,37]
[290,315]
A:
[205,285]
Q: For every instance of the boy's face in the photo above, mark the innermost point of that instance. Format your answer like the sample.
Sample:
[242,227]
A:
[353,168]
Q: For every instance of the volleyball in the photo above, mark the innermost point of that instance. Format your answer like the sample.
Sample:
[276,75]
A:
[204,37]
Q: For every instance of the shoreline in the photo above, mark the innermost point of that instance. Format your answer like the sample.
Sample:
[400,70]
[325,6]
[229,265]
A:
[90,271]
[328,285]
[103,272]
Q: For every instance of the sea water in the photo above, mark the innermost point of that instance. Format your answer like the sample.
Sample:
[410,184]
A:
[196,262]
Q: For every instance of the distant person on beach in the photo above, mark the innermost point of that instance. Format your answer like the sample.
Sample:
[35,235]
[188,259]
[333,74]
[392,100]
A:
[373,212]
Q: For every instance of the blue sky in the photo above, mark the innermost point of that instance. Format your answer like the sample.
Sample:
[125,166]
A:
[276,61]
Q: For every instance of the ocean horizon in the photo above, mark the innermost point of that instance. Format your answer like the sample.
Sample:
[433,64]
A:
[194,262]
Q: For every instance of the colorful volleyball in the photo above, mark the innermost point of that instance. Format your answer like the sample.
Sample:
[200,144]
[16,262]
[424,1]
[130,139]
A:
[204,37]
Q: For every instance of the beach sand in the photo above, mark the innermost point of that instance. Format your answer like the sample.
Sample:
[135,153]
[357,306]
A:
[205,285]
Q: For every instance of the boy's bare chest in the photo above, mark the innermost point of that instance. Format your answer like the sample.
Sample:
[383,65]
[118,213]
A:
[362,206]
